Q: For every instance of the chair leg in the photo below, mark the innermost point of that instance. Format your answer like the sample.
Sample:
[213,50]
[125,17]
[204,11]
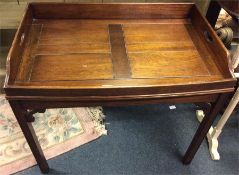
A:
[29,133]
[204,128]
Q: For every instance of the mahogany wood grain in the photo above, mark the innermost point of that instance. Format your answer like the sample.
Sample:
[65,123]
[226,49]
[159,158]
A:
[186,64]
[77,67]
[203,51]
[115,54]
[137,34]
[15,53]
[212,42]
[110,11]
[72,48]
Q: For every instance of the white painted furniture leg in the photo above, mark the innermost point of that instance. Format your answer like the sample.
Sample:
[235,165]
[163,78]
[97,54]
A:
[235,58]
[212,142]
[215,132]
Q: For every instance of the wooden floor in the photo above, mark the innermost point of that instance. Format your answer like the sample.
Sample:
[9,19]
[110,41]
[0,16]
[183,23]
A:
[160,50]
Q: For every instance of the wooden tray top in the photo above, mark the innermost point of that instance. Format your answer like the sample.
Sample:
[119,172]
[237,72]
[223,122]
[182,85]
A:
[79,46]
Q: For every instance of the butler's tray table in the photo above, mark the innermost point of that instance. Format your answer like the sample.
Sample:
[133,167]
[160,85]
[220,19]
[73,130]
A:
[69,55]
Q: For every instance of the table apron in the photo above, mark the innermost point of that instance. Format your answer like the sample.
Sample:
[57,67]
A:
[63,103]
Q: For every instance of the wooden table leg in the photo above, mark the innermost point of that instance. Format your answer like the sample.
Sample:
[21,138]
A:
[204,128]
[30,135]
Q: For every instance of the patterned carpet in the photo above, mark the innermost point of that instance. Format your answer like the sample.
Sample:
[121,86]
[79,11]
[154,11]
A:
[58,131]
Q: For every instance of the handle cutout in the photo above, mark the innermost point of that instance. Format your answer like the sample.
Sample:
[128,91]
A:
[208,36]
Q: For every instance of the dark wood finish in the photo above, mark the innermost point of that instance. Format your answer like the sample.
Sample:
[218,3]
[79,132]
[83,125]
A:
[232,7]
[203,128]
[210,39]
[29,115]
[213,12]
[60,103]
[118,51]
[29,133]
[110,11]
[18,46]
[112,55]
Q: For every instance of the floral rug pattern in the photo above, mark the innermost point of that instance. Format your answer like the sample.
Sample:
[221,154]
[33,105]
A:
[58,131]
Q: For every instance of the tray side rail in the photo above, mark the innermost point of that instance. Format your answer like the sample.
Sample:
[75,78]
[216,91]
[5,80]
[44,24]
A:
[19,44]
[212,42]
[111,10]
